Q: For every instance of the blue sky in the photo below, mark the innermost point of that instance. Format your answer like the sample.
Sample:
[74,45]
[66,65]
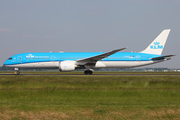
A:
[88,26]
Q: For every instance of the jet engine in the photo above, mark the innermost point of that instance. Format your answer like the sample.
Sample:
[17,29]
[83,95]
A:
[67,65]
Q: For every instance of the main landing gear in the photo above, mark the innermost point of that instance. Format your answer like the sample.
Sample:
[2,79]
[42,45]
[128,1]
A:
[88,72]
[17,72]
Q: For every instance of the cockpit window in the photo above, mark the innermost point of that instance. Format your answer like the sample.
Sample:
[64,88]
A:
[9,58]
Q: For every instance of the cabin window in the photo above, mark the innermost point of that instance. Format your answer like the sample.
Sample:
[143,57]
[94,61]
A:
[9,58]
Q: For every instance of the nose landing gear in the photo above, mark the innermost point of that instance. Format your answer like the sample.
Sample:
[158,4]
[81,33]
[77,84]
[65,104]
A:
[17,72]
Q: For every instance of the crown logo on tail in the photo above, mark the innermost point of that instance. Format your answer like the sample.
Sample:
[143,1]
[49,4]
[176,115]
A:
[156,43]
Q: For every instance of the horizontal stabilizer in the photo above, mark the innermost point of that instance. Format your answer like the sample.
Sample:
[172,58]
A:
[162,57]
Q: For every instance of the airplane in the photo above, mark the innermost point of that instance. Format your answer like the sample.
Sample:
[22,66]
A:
[70,61]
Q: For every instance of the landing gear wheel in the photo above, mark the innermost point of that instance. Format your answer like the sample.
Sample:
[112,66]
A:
[88,72]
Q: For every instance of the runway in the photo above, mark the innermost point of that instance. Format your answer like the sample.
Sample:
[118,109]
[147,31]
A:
[6,74]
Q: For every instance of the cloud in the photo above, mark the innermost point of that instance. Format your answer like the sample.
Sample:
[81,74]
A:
[5,30]
[32,36]
[140,30]
[110,39]
[48,37]
[95,13]
[28,36]
[178,29]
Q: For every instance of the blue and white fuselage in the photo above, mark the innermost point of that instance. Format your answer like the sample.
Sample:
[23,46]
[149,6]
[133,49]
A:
[70,61]
[52,60]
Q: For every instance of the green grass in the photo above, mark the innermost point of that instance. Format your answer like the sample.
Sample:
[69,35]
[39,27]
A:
[89,97]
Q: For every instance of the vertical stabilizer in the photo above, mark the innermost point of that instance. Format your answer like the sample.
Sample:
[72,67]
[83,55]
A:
[157,46]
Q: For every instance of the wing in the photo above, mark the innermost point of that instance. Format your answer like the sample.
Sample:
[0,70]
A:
[94,59]
[162,57]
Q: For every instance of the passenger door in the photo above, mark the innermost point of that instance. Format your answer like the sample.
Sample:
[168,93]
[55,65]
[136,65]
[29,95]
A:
[19,59]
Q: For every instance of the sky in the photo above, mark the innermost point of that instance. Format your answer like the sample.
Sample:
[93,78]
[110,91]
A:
[88,26]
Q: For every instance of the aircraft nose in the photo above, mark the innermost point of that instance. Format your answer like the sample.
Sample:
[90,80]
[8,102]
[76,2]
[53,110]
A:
[5,63]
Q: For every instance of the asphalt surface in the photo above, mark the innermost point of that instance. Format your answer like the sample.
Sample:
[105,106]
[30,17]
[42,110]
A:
[91,75]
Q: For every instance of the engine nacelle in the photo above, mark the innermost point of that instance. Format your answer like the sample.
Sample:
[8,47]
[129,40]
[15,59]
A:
[67,65]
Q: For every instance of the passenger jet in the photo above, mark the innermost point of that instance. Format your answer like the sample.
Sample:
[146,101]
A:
[70,61]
